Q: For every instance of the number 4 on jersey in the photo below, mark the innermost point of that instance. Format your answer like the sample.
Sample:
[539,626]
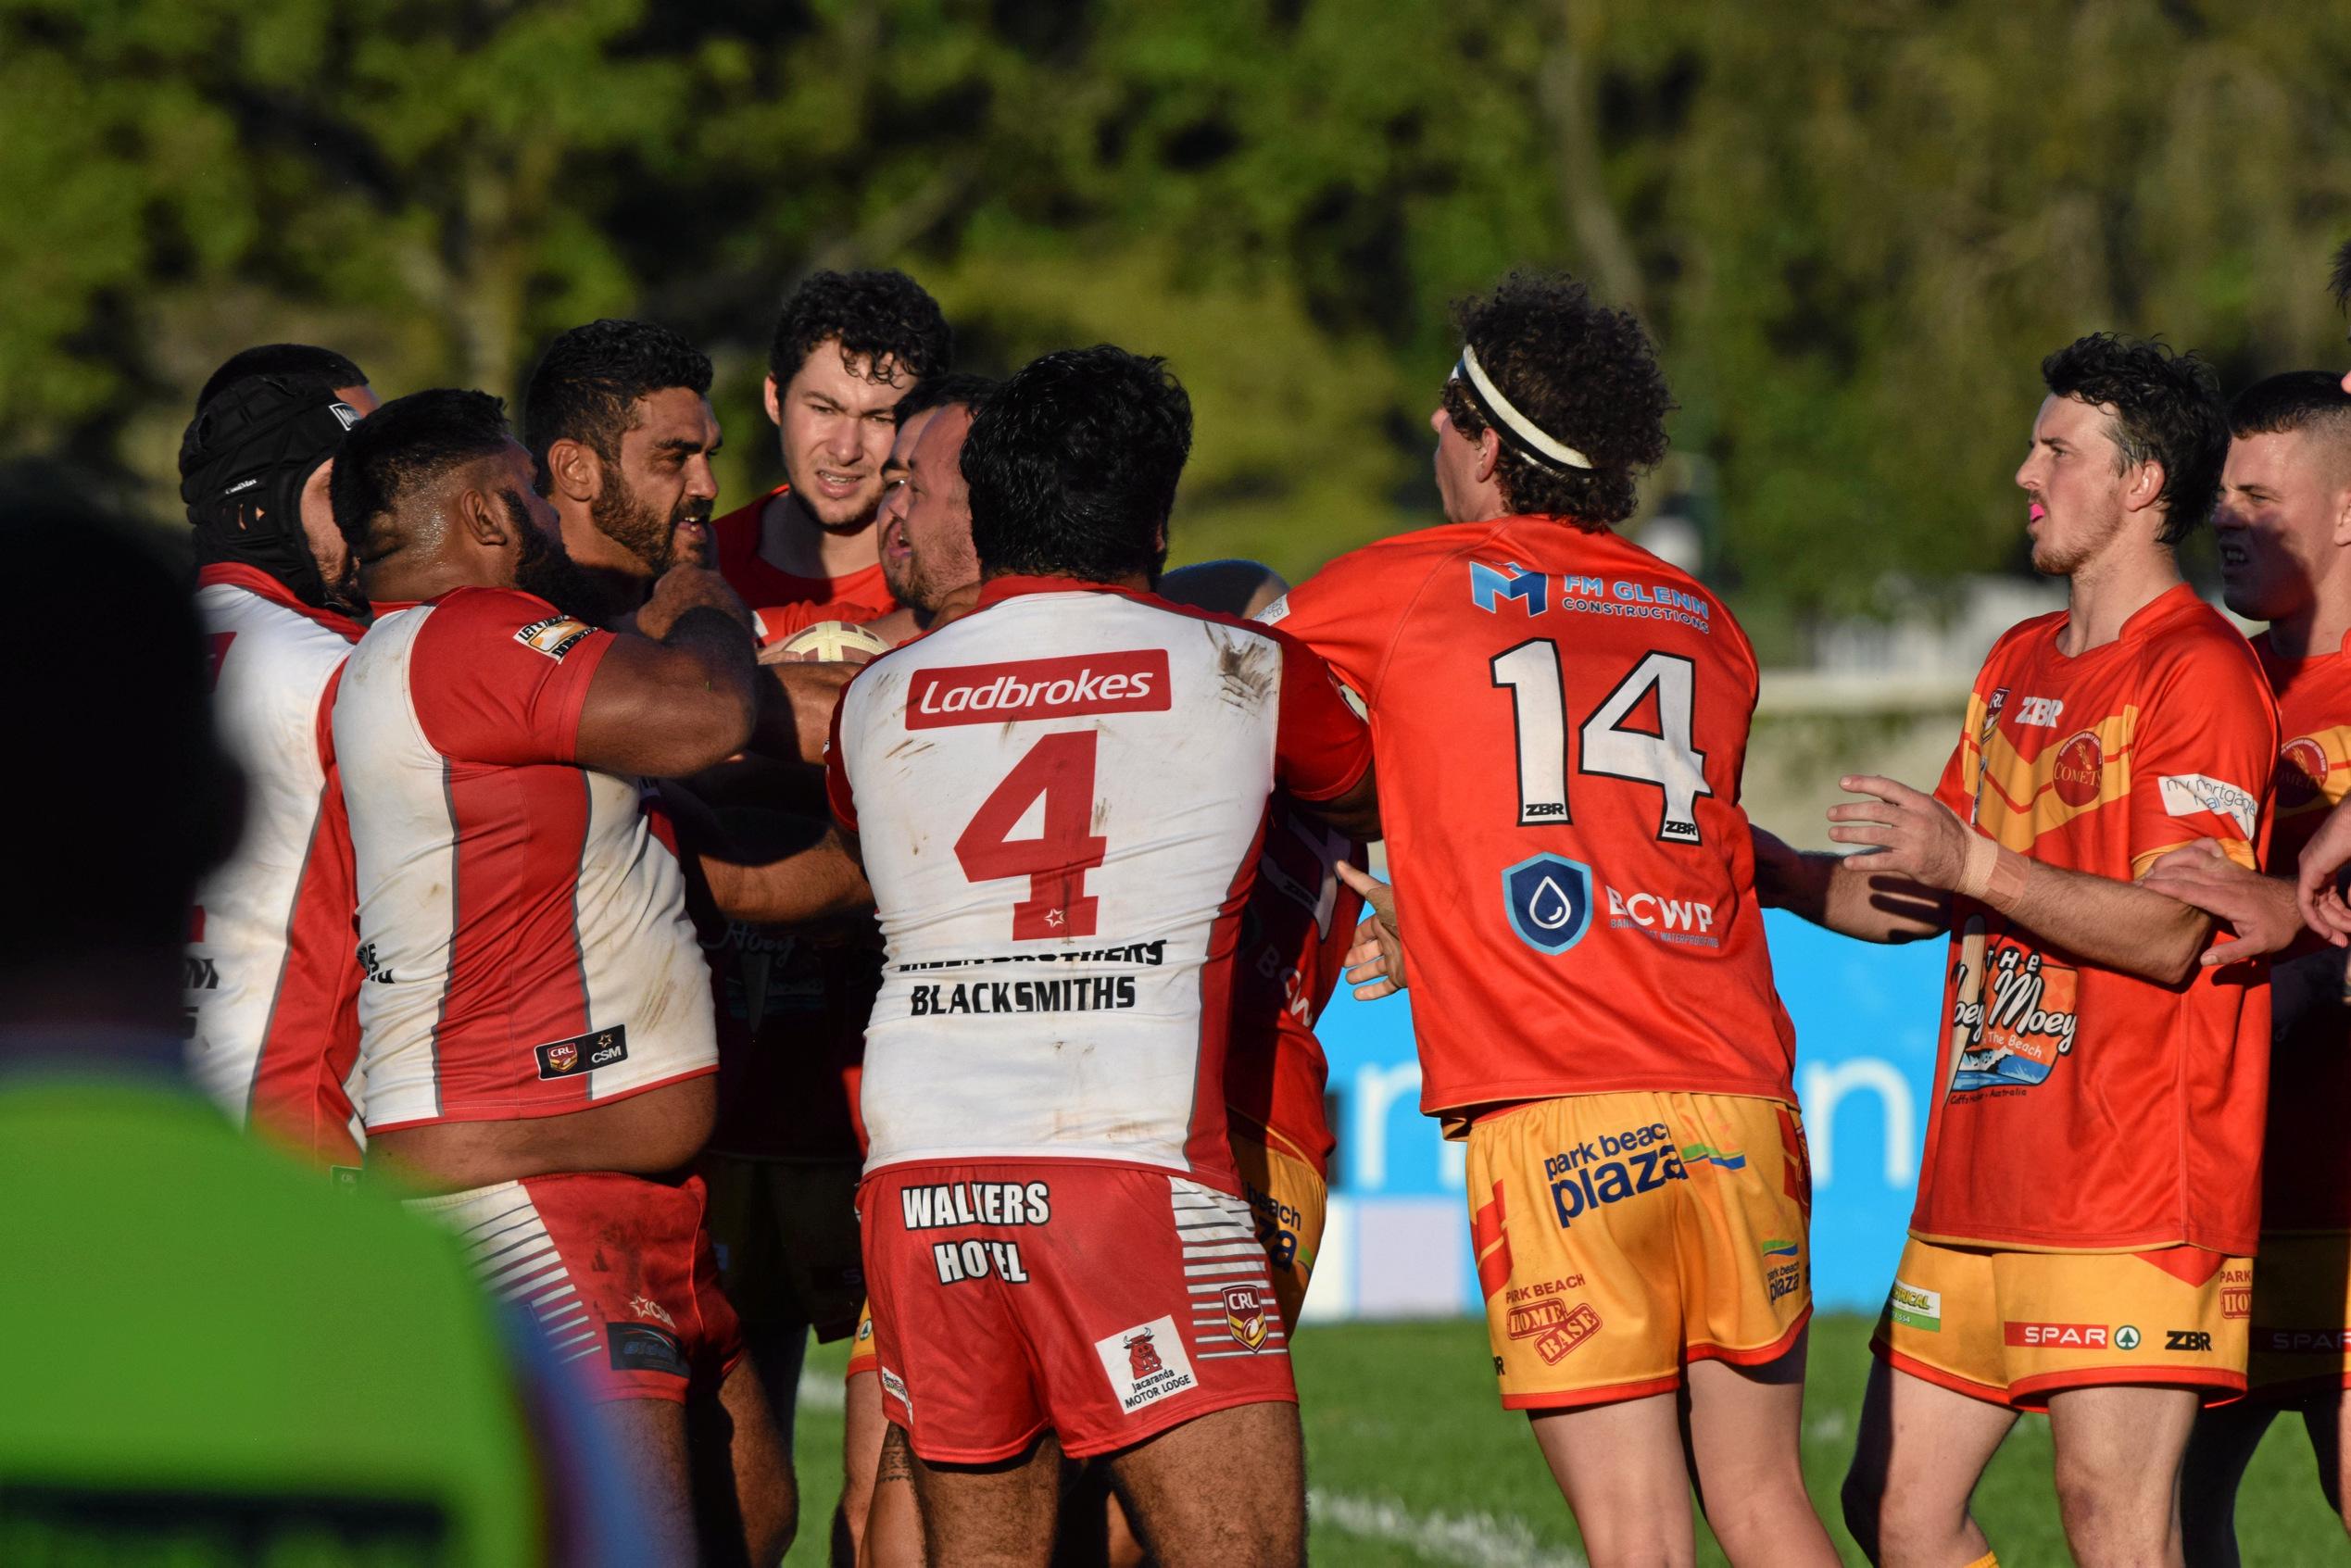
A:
[1059,769]
[1666,759]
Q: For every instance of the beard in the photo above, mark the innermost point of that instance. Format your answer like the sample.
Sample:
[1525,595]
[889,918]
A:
[639,529]
[544,567]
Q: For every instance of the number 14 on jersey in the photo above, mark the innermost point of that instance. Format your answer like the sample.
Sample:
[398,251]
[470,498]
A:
[1606,747]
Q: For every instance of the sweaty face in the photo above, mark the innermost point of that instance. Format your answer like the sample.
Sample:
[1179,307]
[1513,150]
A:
[2280,500]
[662,504]
[835,422]
[889,517]
[937,521]
[2073,486]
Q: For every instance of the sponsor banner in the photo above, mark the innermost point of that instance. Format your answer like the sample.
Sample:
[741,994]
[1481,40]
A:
[1130,681]
[1396,1239]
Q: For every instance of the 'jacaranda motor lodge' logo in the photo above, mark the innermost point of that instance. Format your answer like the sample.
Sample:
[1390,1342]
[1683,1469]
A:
[1549,898]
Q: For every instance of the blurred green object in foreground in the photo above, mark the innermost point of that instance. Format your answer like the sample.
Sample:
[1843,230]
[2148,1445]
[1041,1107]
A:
[218,1357]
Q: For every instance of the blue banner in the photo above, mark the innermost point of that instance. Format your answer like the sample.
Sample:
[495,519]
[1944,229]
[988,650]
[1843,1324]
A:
[1397,1241]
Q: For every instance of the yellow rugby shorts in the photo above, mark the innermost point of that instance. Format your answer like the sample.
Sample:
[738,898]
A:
[2012,1328]
[1622,1237]
[1286,1198]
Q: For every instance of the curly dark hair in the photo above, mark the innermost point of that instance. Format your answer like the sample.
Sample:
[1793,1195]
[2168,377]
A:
[1586,374]
[1071,465]
[884,317]
[588,380]
[966,387]
[2292,401]
[2167,410]
[282,360]
[410,443]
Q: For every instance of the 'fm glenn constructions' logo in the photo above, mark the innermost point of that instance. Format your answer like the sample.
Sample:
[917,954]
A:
[1549,900]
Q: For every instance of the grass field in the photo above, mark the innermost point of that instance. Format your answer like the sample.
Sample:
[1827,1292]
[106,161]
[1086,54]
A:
[1412,1464]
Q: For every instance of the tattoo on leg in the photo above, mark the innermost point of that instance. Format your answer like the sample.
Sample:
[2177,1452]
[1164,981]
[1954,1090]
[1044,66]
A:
[897,1463]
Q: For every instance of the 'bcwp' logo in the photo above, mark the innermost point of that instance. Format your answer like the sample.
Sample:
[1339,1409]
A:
[1133,680]
[1549,902]
[1680,922]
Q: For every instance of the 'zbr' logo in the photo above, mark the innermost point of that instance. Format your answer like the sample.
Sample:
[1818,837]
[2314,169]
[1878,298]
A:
[1549,898]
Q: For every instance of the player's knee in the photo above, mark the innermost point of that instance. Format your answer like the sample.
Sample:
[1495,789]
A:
[2111,1511]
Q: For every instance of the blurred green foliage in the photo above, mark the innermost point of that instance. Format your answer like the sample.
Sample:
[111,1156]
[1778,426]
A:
[1854,225]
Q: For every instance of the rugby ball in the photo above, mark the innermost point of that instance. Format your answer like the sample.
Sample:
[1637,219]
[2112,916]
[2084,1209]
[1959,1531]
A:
[831,642]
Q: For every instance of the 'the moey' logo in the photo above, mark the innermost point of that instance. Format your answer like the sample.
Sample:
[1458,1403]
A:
[582,1053]
[1549,902]
[1130,681]
[554,636]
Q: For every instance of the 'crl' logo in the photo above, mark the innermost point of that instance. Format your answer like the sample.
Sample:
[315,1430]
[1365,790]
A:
[1549,898]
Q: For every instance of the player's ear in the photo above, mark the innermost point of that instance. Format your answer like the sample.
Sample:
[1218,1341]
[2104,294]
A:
[1488,454]
[480,516]
[2342,518]
[2142,485]
[773,397]
[575,471]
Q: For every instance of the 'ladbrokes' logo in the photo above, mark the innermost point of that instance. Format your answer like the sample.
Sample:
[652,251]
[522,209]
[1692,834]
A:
[1132,681]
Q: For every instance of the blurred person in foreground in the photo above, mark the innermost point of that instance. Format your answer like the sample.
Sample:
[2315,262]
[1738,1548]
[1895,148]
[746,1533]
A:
[2079,1023]
[374,1412]
[2284,532]
[536,1029]
[1007,1162]
[273,984]
[1561,723]
[847,346]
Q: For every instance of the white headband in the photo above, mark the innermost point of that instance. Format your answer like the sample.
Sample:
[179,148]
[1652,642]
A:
[1510,424]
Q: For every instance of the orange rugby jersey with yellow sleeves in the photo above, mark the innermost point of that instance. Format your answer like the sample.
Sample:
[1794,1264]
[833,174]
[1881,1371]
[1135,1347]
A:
[2305,1183]
[2087,1110]
[1560,720]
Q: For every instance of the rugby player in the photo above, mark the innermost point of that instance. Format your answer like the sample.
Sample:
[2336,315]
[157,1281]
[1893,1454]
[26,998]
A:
[1052,1000]
[349,382]
[536,1028]
[847,346]
[2284,528]
[272,987]
[618,419]
[2088,1202]
[1560,719]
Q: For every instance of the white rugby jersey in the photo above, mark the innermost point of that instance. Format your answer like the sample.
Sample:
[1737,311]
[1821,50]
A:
[522,925]
[1059,800]
[270,979]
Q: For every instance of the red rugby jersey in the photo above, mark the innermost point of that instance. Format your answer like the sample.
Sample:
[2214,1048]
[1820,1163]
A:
[2304,1184]
[1295,932]
[2090,1110]
[1560,720]
[857,596]
[273,984]
[522,925]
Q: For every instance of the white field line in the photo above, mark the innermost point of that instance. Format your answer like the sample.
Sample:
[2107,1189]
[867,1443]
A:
[1474,1540]
[1455,1540]
[823,1390]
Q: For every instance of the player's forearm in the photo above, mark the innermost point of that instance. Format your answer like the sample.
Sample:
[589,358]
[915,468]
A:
[721,652]
[796,709]
[1821,888]
[2119,924]
[813,885]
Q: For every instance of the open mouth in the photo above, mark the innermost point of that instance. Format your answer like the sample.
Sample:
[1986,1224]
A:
[2234,556]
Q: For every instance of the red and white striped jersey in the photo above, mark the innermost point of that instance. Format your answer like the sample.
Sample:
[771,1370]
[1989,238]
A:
[1061,799]
[271,980]
[522,926]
